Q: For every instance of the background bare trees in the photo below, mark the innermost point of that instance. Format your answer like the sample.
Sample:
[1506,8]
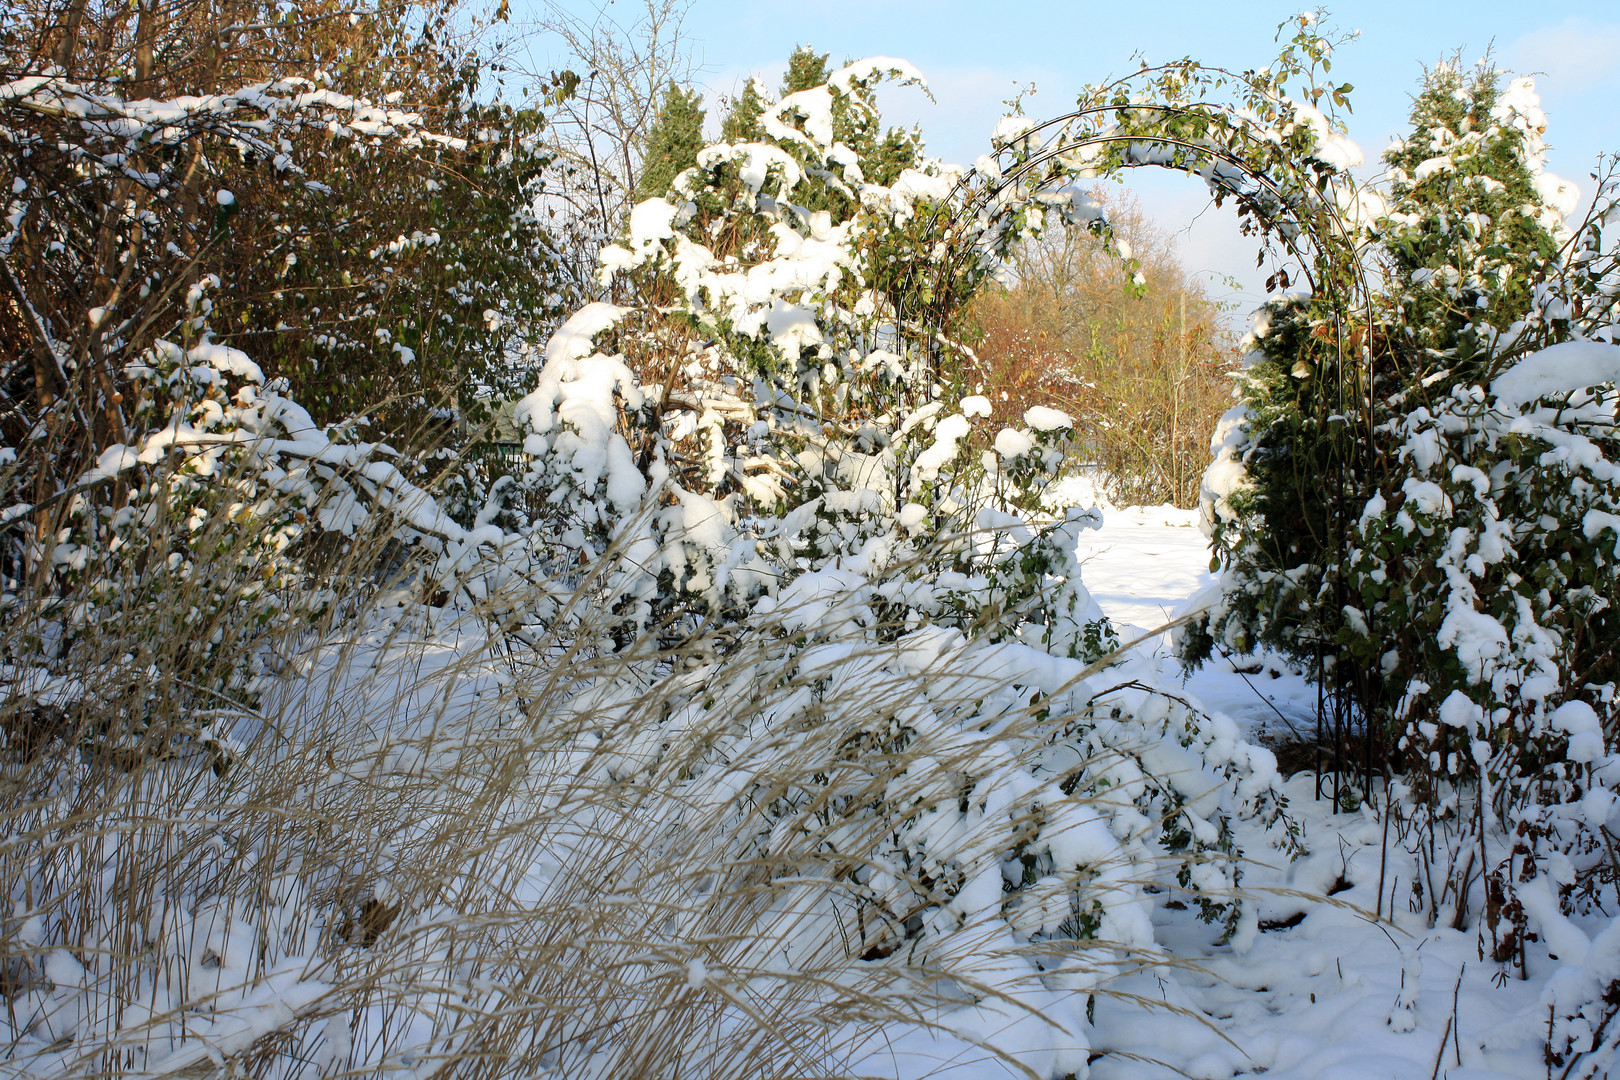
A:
[625,60]
[1144,369]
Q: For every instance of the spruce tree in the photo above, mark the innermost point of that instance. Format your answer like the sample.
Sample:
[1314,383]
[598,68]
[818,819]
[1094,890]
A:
[806,70]
[673,143]
[1469,237]
[742,123]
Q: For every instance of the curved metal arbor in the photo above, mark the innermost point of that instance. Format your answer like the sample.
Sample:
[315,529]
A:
[1284,193]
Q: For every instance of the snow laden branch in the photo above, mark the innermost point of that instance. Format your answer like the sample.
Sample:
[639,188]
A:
[125,139]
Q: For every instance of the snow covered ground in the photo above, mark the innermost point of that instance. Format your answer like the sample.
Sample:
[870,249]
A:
[1332,977]
[1144,563]
[1144,566]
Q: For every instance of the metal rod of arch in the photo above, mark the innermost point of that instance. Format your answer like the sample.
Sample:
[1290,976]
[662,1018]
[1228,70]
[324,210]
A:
[1058,148]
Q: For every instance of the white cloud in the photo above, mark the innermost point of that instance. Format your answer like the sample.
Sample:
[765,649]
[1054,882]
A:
[1575,55]
[1207,238]
[956,125]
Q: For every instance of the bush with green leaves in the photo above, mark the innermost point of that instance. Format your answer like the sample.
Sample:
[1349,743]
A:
[773,394]
[1454,575]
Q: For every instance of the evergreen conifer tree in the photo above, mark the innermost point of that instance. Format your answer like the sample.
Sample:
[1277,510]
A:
[673,142]
[806,70]
[1465,230]
[1372,572]
[742,123]
[1464,190]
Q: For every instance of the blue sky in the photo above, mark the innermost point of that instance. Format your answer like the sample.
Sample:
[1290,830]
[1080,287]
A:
[974,53]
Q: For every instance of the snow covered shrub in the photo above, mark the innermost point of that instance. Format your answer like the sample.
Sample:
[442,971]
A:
[159,496]
[784,397]
[1494,570]
[1455,576]
[821,847]
[171,588]
[978,816]
[175,565]
[1464,223]
[337,171]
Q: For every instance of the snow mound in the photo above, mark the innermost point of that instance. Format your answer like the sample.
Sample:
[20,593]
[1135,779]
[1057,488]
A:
[1558,370]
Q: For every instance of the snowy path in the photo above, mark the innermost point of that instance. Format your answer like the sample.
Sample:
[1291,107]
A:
[1142,567]
[1144,563]
[1309,989]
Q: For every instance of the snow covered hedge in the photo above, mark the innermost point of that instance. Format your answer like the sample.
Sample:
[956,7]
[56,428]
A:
[1455,578]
